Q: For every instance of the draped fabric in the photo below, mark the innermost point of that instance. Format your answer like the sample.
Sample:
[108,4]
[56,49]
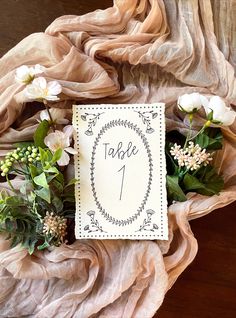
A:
[142,51]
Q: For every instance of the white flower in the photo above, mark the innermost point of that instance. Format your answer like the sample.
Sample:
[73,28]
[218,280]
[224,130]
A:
[41,90]
[61,140]
[191,103]
[56,114]
[221,114]
[25,74]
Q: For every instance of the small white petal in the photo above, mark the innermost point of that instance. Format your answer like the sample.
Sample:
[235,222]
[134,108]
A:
[204,101]
[54,88]
[71,150]
[40,82]
[49,140]
[39,69]
[228,118]
[51,97]
[64,160]
[22,74]
[68,130]
[221,112]
[57,115]
[22,70]
[44,115]
[32,92]
[62,121]
[25,74]
[190,102]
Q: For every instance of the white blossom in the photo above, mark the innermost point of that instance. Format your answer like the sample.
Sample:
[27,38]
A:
[61,140]
[221,114]
[191,103]
[57,116]
[41,90]
[25,74]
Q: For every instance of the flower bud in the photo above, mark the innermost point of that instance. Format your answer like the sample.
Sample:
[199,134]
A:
[218,113]
[190,103]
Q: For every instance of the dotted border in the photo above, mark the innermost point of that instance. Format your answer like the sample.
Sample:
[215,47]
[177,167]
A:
[163,200]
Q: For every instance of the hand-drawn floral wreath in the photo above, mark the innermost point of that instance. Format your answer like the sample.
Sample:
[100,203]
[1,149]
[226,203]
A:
[130,125]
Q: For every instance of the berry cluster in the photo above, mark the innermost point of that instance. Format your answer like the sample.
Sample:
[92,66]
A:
[25,155]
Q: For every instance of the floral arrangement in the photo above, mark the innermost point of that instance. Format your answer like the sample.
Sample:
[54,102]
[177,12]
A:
[189,158]
[39,213]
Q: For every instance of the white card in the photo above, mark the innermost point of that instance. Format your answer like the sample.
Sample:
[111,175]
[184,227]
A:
[120,167]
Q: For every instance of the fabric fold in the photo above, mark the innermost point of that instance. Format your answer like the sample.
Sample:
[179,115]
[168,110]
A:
[134,52]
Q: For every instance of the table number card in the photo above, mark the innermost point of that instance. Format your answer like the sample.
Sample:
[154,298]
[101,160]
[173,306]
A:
[121,193]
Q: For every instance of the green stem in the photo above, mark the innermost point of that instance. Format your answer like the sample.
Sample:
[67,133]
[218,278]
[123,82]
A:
[10,184]
[20,172]
[190,131]
[206,125]
[50,116]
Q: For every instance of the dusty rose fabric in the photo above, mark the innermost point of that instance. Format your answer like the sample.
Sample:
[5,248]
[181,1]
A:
[136,51]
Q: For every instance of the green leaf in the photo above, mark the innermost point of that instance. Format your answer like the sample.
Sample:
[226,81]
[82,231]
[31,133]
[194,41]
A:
[16,240]
[206,181]
[60,178]
[14,201]
[43,246]
[23,189]
[52,170]
[44,194]
[69,198]
[174,191]
[57,186]
[213,182]
[210,115]
[57,203]
[43,155]
[8,225]
[210,139]
[56,156]
[41,180]
[34,171]
[192,183]
[23,144]
[41,133]
[51,177]
[32,247]
[71,182]
[171,166]
[69,214]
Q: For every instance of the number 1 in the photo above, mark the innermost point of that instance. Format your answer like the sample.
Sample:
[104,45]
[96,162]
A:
[122,182]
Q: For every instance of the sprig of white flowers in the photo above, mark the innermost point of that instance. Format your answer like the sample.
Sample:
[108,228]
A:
[191,157]
[42,91]
[37,87]
[25,74]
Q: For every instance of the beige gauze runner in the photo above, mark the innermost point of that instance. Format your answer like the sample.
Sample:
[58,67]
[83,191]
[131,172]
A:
[134,52]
